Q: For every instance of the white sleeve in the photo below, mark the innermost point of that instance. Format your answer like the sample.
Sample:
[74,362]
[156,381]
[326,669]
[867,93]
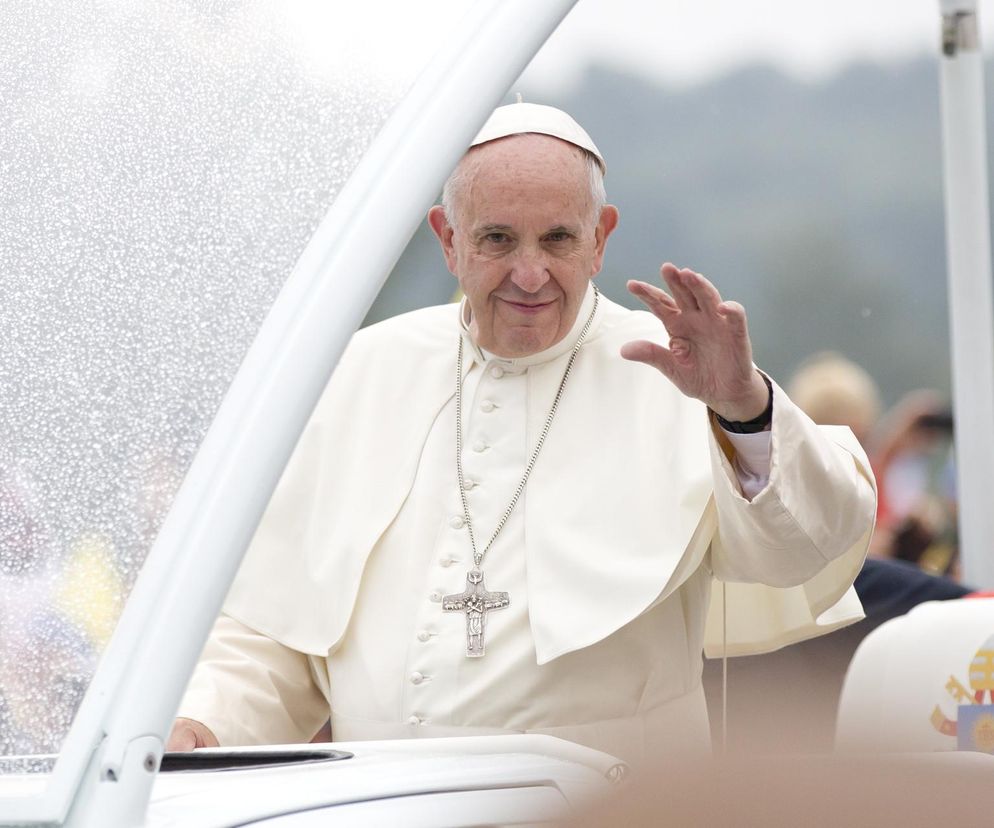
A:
[751,462]
[816,505]
[251,690]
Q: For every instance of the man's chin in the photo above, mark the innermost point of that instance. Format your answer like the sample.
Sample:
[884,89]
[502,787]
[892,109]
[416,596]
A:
[524,341]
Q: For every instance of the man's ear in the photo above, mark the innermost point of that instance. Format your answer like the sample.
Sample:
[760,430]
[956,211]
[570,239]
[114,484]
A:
[605,227]
[443,231]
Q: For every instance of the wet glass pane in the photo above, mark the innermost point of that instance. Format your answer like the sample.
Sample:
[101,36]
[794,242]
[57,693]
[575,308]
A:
[162,165]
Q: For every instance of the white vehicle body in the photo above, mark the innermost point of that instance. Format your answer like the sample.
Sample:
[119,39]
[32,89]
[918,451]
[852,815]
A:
[506,780]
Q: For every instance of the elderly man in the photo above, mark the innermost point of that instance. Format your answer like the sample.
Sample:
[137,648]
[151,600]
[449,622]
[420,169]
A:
[501,520]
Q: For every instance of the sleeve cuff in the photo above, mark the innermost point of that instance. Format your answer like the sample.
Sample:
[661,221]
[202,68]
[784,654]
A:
[751,461]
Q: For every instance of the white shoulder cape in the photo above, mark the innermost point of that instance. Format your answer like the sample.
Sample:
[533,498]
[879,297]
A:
[632,493]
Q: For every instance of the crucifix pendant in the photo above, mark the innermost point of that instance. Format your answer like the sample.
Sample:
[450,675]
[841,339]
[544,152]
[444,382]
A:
[476,602]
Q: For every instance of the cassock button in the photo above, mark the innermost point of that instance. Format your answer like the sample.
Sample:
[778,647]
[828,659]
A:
[424,635]
[446,562]
[456,522]
[414,720]
[479,446]
[470,484]
[496,372]
[436,597]
[487,406]
[417,678]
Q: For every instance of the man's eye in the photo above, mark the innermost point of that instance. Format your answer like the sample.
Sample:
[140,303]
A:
[560,236]
[496,238]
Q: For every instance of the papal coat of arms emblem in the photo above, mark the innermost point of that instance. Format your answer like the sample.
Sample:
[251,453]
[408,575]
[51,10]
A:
[973,727]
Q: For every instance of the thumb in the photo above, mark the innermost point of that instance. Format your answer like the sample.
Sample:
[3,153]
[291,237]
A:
[651,353]
[182,738]
[188,734]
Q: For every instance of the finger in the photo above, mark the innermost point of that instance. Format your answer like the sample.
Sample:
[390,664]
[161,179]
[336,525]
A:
[706,294]
[734,316]
[654,298]
[676,280]
[206,737]
[659,303]
[733,312]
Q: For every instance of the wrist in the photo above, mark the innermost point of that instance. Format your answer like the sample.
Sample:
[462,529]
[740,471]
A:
[752,425]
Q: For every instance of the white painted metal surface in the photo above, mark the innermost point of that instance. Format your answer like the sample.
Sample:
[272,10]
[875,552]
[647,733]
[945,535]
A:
[969,280]
[433,782]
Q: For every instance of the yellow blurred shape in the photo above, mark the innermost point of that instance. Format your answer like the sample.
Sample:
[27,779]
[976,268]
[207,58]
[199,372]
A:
[89,592]
[982,670]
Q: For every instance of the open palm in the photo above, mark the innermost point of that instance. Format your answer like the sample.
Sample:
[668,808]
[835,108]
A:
[709,355]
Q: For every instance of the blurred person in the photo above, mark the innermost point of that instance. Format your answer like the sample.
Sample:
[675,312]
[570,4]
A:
[834,390]
[45,659]
[363,593]
[44,672]
[90,591]
[24,538]
[912,453]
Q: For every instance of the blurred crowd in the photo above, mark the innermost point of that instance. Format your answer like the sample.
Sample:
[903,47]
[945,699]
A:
[910,447]
[63,584]
[57,611]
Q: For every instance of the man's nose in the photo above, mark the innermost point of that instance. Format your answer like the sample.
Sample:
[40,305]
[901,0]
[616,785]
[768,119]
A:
[529,271]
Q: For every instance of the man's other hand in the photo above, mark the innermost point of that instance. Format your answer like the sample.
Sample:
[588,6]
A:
[188,734]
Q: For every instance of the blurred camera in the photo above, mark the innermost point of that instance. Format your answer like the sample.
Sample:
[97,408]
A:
[936,421]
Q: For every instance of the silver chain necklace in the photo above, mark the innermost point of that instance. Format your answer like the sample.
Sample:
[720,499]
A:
[476,601]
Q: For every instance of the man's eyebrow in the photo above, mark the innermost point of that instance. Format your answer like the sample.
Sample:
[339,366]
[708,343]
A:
[483,230]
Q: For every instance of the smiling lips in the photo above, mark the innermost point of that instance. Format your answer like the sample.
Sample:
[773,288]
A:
[523,307]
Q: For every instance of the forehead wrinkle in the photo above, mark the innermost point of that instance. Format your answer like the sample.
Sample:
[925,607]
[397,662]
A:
[521,161]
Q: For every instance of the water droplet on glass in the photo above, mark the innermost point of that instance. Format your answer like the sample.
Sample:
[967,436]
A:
[163,166]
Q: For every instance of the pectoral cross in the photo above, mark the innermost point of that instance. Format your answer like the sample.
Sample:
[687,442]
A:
[476,602]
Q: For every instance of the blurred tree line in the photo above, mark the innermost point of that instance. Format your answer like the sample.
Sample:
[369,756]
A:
[816,205]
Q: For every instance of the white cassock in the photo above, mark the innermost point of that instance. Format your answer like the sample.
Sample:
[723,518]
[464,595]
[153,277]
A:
[630,537]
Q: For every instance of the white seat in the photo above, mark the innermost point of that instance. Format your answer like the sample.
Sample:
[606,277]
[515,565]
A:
[909,677]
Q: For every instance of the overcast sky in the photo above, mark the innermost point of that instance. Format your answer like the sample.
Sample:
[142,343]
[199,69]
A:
[690,40]
[677,41]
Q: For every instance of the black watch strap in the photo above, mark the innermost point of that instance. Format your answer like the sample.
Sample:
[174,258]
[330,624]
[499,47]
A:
[755,425]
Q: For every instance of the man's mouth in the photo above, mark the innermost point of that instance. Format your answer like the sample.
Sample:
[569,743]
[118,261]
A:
[527,307]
